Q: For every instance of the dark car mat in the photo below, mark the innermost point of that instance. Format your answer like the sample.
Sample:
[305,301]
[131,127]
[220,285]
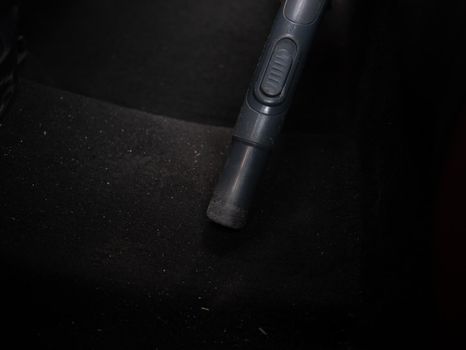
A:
[103,223]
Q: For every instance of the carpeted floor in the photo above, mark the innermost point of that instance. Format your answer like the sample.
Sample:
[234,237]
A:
[107,206]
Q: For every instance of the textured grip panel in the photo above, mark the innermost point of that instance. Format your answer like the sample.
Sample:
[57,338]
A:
[277,72]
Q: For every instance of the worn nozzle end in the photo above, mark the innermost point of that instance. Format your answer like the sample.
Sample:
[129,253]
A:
[235,189]
[227,214]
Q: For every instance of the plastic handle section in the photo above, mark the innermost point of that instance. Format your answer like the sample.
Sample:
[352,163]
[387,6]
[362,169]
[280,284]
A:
[304,11]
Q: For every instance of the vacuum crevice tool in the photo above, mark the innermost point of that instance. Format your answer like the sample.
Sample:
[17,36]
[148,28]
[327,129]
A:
[264,109]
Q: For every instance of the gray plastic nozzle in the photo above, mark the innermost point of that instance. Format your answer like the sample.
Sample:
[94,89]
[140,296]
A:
[264,109]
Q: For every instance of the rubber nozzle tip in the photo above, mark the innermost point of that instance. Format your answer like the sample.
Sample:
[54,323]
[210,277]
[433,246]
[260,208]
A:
[227,214]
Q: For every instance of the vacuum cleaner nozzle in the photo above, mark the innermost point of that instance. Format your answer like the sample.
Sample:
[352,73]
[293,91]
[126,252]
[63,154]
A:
[264,109]
[233,195]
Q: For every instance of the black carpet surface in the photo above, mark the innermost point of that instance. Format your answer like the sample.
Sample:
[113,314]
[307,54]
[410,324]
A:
[103,219]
